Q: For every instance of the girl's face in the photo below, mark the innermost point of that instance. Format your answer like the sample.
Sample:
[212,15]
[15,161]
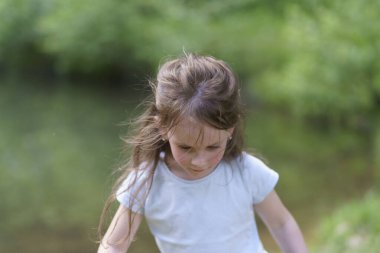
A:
[196,149]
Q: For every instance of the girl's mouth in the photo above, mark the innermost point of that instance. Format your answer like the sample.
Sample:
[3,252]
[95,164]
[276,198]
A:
[197,170]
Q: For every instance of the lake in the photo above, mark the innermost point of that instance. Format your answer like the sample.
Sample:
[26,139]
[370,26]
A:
[60,143]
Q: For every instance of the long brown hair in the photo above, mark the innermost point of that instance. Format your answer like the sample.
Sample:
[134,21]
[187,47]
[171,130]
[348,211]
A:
[200,87]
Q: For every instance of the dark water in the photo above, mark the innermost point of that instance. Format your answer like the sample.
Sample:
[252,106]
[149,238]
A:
[57,167]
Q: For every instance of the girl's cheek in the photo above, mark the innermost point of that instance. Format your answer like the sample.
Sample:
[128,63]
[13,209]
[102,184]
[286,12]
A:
[182,160]
[183,157]
[217,157]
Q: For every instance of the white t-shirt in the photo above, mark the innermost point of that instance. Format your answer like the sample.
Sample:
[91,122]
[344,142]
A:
[207,215]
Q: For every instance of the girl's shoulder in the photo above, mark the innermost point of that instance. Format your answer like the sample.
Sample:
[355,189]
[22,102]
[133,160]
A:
[134,189]
[256,176]
[247,160]
[137,177]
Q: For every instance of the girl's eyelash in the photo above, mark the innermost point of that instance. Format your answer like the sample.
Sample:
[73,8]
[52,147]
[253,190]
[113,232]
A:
[188,148]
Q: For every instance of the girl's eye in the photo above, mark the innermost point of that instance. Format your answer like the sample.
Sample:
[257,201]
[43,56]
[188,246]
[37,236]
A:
[184,147]
[212,147]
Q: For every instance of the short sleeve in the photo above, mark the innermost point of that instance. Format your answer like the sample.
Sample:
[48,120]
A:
[132,192]
[260,179]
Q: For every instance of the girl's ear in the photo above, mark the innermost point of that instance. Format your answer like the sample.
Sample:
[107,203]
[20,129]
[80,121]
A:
[164,136]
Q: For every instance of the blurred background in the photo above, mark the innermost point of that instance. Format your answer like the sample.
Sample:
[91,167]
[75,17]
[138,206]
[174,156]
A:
[72,73]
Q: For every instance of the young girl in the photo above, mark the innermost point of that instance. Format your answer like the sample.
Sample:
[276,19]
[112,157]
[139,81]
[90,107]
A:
[188,175]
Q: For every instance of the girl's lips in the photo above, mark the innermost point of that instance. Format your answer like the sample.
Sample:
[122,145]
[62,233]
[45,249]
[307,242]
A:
[197,170]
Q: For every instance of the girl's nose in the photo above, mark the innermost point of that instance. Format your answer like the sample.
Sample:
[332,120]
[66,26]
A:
[198,161]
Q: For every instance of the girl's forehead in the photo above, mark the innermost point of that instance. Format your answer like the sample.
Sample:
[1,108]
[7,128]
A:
[191,131]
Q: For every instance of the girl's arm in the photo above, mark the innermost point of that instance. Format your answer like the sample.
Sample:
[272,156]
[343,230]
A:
[115,241]
[281,224]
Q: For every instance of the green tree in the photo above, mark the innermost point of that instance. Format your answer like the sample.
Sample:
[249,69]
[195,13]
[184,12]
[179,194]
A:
[331,70]
[93,36]
[97,37]
[18,35]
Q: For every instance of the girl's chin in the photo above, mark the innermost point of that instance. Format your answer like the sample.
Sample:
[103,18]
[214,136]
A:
[198,172]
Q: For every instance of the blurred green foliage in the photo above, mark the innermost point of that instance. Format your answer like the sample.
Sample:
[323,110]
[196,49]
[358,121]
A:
[19,37]
[353,228]
[101,36]
[331,65]
[313,57]
[307,61]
